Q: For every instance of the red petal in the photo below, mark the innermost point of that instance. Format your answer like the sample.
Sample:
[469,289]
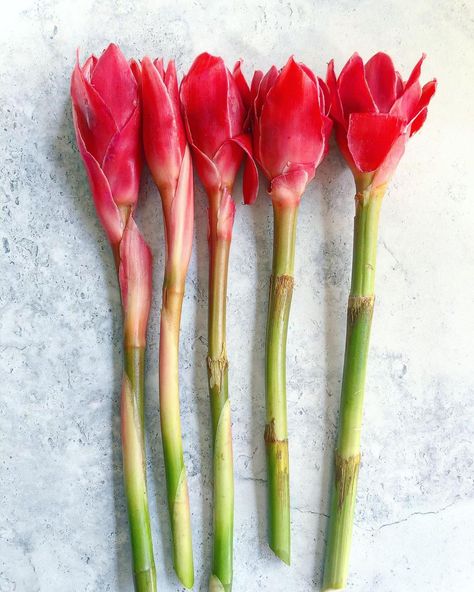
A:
[416,71]
[290,125]
[163,131]
[123,162]
[241,83]
[370,137]
[353,89]
[265,85]
[335,103]
[135,273]
[214,109]
[387,168]
[404,107]
[93,119]
[114,81]
[250,179]
[107,210]
[399,84]
[324,97]
[382,80]
[422,108]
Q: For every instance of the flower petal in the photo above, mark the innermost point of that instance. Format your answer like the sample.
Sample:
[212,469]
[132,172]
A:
[250,178]
[123,162]
[212,102]
[290,125]
[421,110]
[107,210]
[404,107]
[370,137]
[242,84]
[336,110]
[414,76]
[114,81]
[390,163]
[164,137]
[135,277]
[354,91]
[93,118]
[382,80]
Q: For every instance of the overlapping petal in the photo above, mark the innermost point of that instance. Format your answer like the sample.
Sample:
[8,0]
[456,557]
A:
[375,112]
[290,128]
[164,136]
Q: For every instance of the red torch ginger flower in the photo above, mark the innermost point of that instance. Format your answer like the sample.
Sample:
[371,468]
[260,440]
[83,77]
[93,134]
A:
[215,114]
[290,126]
[106,113]
[375,113]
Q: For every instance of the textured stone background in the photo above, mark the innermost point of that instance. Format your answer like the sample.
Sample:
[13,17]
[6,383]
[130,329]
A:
[62,516]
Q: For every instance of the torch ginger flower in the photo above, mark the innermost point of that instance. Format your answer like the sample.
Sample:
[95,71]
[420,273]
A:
[106,114]
[169,159]
[375,113]
[290,130]
[215,114]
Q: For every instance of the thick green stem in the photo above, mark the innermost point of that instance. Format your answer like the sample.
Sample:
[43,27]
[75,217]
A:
[176,480]
[276,429]
[217,364]
[133,442]
[347,456]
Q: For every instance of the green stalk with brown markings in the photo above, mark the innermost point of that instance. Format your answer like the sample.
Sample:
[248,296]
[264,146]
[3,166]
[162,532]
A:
[359,319]
[217,369]
[276,429]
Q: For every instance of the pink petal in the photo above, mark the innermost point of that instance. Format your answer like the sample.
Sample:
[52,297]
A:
[135,276]
[354,91]
[370,137]
[179,216]
[225,216]
[93,118]
[123,162]
[382,80]
[114,81]
[164,136]
[107,210]
[286,189]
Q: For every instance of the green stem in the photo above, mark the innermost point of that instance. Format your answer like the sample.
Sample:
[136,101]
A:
[176,480]
[133,442]
[347,456]
[276,429]
[221,579]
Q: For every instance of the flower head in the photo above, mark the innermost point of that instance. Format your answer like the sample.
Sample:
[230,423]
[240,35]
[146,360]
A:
[215,114]
[375,113]
[106,113]
[290,126]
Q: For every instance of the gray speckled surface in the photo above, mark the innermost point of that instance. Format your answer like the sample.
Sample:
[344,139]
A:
[62,517]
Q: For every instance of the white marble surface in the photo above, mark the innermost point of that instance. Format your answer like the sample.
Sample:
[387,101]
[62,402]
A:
[62,517]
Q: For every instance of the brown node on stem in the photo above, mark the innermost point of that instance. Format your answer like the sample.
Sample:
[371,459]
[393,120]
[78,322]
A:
[216,369]
[347,470]
[270,434]
[281,288]
[360,305]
